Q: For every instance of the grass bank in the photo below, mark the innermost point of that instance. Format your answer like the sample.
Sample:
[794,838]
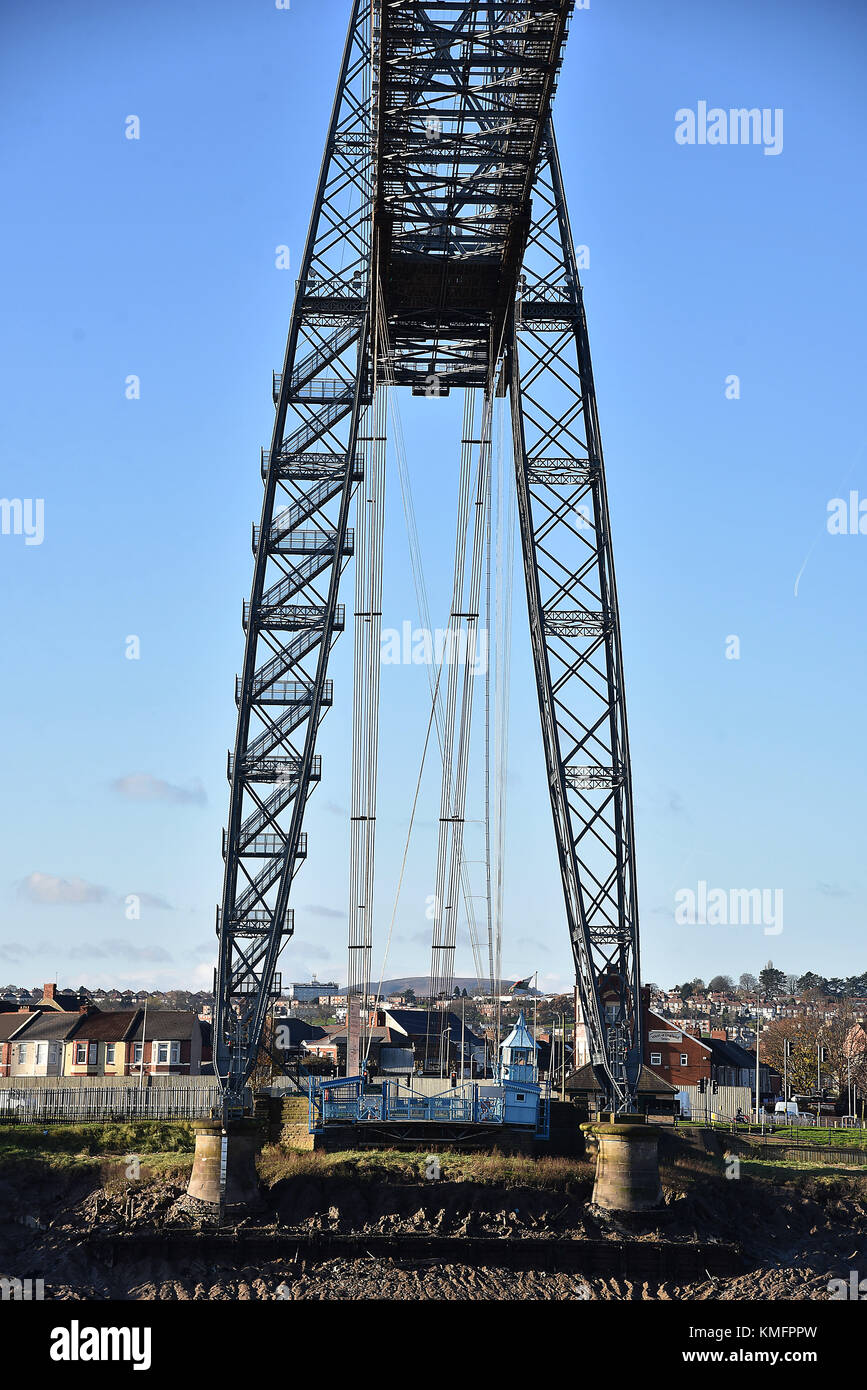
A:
[392,1165]
[160,1146]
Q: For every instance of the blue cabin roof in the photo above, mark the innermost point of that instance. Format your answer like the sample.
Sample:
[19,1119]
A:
[520,1037]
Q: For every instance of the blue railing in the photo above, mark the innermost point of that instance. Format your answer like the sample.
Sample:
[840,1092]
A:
[346,1100]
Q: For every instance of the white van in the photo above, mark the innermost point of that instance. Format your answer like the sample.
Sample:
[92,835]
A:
[787,1112]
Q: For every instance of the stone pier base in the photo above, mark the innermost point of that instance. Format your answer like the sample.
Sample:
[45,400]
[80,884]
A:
[242,1184]
[627,1164]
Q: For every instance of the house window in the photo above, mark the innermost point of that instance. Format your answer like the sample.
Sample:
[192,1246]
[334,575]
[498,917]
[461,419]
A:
[41,1054]
[136,1054]
[53,1053]
[656,1059]
[684,1059]
[91,1054]
[109,1054]
[22,1053]
[80,1053]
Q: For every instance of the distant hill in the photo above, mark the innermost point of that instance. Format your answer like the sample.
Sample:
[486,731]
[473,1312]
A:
[421,985]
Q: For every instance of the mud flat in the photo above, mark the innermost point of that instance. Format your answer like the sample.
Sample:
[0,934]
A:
[339,1227]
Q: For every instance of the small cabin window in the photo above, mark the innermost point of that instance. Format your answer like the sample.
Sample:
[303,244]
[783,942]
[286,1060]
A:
[656,1059]
[520,1097]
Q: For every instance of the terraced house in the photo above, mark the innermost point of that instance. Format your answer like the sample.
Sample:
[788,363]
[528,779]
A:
[36,1049]
[98,1045]
[156,1042]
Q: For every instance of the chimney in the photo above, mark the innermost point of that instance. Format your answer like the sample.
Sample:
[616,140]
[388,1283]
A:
[49,992]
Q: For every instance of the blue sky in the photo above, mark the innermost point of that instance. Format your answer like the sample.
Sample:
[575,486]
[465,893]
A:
[157,257]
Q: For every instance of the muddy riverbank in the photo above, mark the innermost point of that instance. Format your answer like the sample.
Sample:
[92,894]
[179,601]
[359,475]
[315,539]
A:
[327,1232]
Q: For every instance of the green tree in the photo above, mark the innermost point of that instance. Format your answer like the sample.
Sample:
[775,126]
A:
[812,981]
[772,982]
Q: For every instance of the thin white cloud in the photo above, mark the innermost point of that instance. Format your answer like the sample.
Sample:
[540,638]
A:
[48,888]
[154,900]
[833,890]
[117,949]
[142,786]
[309,950]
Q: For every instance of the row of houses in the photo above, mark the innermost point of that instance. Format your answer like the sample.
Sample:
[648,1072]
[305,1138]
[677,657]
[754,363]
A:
[48,1041]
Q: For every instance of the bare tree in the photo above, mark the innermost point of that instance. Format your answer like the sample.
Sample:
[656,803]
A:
[799,1065]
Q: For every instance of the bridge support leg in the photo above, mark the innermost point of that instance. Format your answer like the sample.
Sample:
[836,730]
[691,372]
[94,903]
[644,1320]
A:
[242,1183]
[627,1164]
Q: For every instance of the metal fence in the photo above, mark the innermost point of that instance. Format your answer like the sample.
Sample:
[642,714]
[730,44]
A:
[76,1103]
[708,1105]
[836,1156]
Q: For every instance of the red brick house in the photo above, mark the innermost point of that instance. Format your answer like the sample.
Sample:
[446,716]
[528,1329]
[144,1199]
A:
[673,1054]
[166,1042]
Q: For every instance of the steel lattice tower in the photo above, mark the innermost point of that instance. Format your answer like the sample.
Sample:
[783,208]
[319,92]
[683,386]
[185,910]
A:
[440,250]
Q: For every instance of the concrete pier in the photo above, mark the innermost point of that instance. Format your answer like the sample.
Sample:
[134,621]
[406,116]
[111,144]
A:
[242,1184]
[627,1164]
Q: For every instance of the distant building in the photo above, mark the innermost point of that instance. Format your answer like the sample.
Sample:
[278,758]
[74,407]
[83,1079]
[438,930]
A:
[313,992]
[434,1038]
[733,1065]
[64,1002]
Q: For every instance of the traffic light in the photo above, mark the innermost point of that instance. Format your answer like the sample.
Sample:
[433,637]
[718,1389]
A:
[715,1086]
[702,1085]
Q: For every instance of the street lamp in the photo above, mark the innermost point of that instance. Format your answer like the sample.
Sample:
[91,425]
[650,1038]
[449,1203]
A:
[758,1088]
[443,1035]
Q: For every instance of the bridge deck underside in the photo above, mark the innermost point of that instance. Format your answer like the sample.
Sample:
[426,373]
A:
[462,99]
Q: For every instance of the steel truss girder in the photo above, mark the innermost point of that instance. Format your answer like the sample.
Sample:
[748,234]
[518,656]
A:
[575,637]
[301,546]
[463,94]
